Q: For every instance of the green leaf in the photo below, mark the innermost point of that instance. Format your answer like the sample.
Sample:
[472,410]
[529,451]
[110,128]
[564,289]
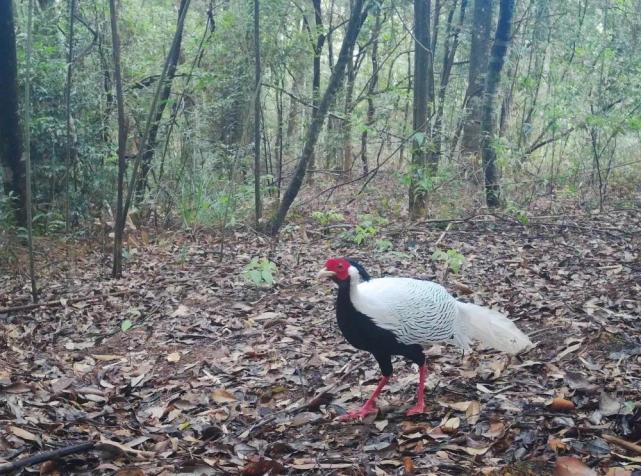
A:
[255,276]
[126,325]
[266,274]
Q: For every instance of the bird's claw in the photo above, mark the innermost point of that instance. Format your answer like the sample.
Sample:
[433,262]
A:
[359,414]
[416,409]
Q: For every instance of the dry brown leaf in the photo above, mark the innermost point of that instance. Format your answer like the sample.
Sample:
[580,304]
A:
[107,357]
[496,429]
[24,434]
[458,406]
[408,465]
[572,466]
[467,449]
[618,472]
[304,466]
[130,472]
[220,395]
[561,405]
[473,412]
[556,444]
[17,387]
[261,467]
[5,377]
[50,468]
[451,425]
[181,311]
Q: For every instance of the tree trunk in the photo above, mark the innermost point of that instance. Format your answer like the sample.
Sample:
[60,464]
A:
[449,53]
[72,5]
[479,54]
[406,110]
[257,204]
[348,153]
[316,73]
[417,196]
[488,118]
[122,143]
[318,116]
[13,166]
[279,137]
[150,148]
[371,90]
[27,151]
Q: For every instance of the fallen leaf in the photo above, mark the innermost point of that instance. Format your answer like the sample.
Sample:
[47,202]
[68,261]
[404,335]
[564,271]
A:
[24,434]
[173,357]
[469,450]
[5,377]
[17,387]
[571,466]
[107,357]
[556,444]
[451,425]
[496,429]
[618,472]
[221,395]
[561,405]
[305,417]
[473,412]
[50,468]
[262,466]
[130,472]
[181,311]
[609,405]
[408,465]
[381,424]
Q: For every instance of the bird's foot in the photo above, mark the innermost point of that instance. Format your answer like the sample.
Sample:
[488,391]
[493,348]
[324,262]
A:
[365,410]
[416,409]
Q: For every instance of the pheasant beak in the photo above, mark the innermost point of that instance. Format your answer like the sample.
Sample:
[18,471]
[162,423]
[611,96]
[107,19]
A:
[325,273]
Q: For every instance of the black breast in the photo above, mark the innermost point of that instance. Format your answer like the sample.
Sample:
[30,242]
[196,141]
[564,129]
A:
[359,330]
[362,333]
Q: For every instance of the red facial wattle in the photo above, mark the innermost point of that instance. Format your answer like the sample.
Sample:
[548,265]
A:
[339,267]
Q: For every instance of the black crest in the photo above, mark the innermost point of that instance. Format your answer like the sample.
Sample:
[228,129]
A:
[364,275]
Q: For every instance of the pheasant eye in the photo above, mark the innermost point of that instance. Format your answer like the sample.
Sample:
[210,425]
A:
[339,265]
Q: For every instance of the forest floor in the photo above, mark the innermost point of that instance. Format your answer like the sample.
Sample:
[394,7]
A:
[220,376]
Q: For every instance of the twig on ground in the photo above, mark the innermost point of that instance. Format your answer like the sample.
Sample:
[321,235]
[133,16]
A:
[58,302]
[622,443]
[46,456]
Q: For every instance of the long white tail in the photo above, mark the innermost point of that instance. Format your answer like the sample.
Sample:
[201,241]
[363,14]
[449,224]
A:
[490,328]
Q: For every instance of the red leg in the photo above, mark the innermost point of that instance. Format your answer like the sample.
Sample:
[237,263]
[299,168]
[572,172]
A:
[420,400]
[370,405]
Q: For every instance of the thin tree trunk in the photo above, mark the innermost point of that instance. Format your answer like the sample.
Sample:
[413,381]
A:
[371,90]
[10,141]
[150,144]
[406,110]
[316,73]
[72,5]
[27,153]
[318,116]
[153,110]
[122,143]
[257,204]
[348,153]
[417,196]
[488,119]
[479,54]
[449,53]
[279,138]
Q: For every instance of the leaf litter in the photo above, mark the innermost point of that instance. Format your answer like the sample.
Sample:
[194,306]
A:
[185,367]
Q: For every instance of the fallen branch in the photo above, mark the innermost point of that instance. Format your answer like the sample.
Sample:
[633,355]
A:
[57,302]
[46,456]
[622,443]
[322,397]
